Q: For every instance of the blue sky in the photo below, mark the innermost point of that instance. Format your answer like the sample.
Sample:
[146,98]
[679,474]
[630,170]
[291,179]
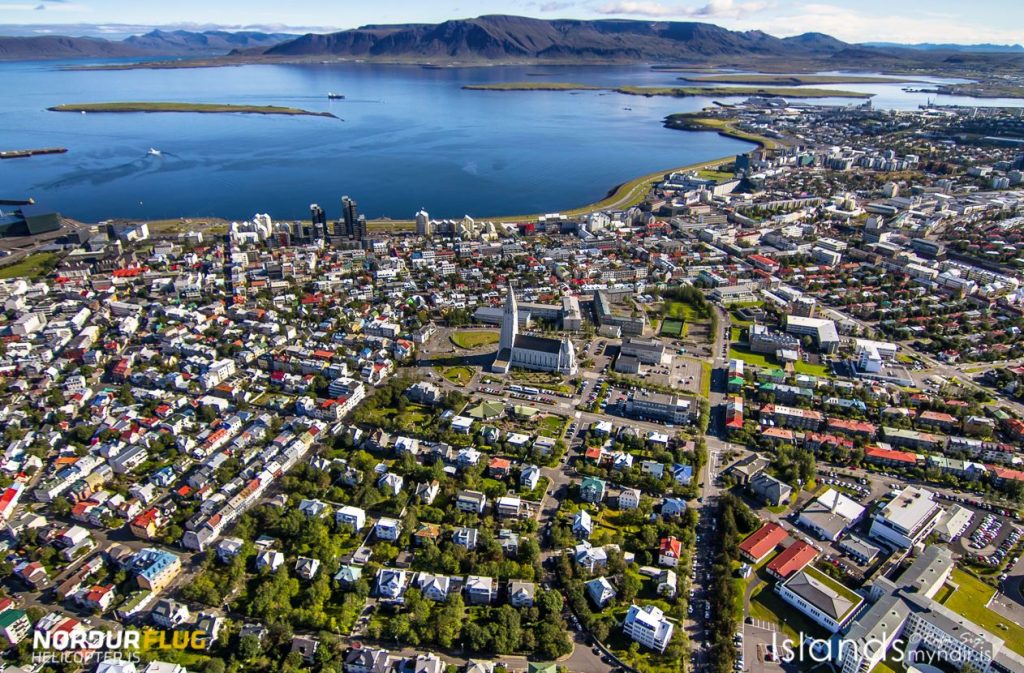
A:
[998,21]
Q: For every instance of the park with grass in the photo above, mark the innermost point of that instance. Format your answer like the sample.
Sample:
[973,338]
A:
[32,266]
[460,376]
[470,339]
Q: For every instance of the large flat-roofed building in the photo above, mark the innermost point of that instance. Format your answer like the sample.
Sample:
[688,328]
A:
[572,317]
[907,519]
[822,330]
[791,417]
[607,315]
[662,407]
[766,341]
[865,644]
[824,600]
[28,220]
[734,294]
[830,514]
[905,611]
[647,351]
[935,630]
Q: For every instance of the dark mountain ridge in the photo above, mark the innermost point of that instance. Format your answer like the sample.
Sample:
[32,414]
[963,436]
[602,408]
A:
[500,37]
[154,43]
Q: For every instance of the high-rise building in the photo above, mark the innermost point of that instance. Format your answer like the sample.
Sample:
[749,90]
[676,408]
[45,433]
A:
[349,214]
[316,215]
[423,225]
[318,220]
[359,228]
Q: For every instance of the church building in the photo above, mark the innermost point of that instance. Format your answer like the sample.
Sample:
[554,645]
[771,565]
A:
[530,352]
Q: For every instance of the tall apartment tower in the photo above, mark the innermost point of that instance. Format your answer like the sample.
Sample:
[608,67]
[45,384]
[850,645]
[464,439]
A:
[316,215]
[423,226]
[349,213]
[359,228]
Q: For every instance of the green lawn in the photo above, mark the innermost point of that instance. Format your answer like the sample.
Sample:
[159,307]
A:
[705,379]
[943,594]
[475,339]
[802,367]
[671,327]
[970,600]
[717,176]
[32,266]
[552,426]
[458,375]
[680,310]
[754,359]
[887,667]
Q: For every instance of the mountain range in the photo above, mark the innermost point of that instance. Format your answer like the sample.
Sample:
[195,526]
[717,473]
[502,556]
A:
[500,38]
[945,46]
[517,39]
[152,44]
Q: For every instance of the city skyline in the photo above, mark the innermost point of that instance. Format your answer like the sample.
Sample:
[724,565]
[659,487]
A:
[914,21]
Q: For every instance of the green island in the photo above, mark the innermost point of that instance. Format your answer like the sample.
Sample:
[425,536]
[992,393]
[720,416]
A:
[679,92]
[204,108]
[795,80]
[696,121]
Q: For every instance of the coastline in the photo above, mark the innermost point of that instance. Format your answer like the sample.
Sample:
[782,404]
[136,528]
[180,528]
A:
[675,92]
[619,197]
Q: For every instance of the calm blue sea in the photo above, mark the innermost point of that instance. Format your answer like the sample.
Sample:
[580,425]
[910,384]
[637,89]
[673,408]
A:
[411,138]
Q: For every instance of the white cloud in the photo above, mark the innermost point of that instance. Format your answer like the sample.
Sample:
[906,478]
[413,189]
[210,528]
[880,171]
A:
[713,9]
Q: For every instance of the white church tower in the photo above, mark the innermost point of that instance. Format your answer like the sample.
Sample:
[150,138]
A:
[509,323]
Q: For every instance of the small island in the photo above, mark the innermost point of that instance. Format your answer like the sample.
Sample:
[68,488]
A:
[203,108]
[533,86]
[678,92]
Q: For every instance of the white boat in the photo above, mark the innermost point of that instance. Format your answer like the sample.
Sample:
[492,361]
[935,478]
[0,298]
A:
[154,152]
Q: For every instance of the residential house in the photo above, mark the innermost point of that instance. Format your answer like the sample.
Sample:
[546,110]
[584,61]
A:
[434,587]
[582,525]
[629,498]
[471,501]
[521,594]
[480,590]
[392,583]
[600,591]
[592,489]
[670,551]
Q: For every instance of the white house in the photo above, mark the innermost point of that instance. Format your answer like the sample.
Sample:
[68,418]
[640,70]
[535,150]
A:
[392,583]
[353,517]
[629,498]
[582,525]
[600,591]
[648,626]
[387,529]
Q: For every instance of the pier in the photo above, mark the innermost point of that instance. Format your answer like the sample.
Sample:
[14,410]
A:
[21,154]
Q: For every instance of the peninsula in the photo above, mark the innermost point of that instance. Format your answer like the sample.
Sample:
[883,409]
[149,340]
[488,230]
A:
[204,108]
[794,80]
[678,92]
